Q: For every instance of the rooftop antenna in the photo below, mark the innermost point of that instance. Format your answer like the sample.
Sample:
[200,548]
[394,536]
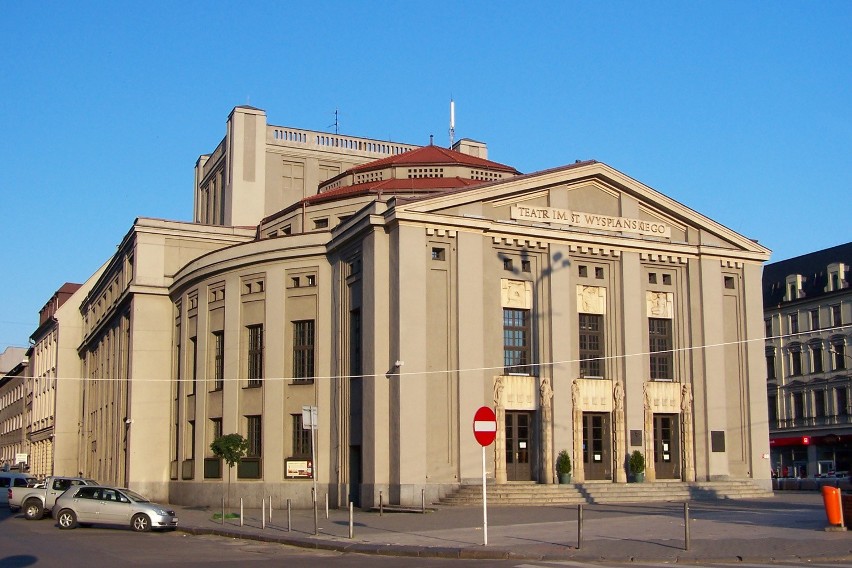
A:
[452,122]
[336,124]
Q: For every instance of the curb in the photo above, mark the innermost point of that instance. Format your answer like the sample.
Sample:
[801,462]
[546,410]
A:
[471,553]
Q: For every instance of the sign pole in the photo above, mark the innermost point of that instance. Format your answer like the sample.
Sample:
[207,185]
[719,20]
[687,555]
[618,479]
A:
[484,504]
[485,431]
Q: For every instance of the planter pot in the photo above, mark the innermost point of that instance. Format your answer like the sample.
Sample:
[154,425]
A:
[639,477]
[564,478]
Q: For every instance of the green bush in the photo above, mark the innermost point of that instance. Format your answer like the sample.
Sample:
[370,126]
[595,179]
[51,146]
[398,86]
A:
[636,462]
[563,462]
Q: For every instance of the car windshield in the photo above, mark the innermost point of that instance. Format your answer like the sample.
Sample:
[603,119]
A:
[135,496]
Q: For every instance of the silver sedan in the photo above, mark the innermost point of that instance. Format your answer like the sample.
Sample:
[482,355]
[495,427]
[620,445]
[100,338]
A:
[87,504]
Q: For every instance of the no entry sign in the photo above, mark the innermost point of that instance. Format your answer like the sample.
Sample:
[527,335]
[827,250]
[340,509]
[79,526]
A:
[484,426]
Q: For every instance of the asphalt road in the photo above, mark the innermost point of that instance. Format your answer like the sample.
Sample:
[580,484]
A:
[41,543]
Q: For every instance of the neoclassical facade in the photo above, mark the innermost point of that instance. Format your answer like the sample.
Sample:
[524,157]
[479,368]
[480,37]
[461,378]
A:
[397,288]
[593,313]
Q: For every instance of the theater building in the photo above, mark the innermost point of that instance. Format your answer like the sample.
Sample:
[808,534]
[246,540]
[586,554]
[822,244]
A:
[398,294]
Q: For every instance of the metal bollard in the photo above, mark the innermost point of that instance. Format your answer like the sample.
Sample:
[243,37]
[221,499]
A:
[241,511]
[223,510]
[381,504]
[579,525]
[326,506]
[422,500]
[316,524]
[270,509]
[686,525]
[263,513]
[351,521]
[288,516]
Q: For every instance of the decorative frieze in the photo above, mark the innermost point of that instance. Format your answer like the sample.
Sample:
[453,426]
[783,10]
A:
[662,258]
[516,294]
[591,299]
[659,304]
[440,232]
[519,242]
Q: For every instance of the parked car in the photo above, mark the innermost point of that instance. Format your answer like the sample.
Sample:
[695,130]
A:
[39,499]
[9,479]
[86,504]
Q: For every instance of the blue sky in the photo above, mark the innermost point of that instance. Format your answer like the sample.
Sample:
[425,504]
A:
[740,110]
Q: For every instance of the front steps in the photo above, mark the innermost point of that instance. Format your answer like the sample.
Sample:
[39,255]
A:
[518,493]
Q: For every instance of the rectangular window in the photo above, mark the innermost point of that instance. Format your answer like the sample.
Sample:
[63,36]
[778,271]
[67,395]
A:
[215,428]
[301,438]
[253,435]
[794,323]
[218,360]
[796,362]
[768,324]
[770,366]
[835,316]
[516,341]
[841,400]
[438,253]
[819,404]
[798,406]
[816,358]
[250,466]
[303,352]
[255,355]
[591,345]
[839,351]
[321,223]
[814,319]
[773,411]
[193,362]
[190,434]
[660,346]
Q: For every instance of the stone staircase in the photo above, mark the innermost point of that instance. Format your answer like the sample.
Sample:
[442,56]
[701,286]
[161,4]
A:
[518,493]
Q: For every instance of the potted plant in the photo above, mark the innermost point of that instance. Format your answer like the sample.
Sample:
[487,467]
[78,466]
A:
[637,466]
[563,467]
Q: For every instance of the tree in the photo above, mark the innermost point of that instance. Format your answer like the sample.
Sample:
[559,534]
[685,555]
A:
[232,448]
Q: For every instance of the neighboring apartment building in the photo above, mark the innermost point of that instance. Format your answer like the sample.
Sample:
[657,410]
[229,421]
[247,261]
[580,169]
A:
[397,289]
[14,449]
[808,318]
[42,387]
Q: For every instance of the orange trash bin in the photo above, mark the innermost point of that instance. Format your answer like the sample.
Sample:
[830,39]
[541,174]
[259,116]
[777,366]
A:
[831,500]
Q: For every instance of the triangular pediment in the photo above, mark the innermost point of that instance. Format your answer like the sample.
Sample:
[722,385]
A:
[588,198]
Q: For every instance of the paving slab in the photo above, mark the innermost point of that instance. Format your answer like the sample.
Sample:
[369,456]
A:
[789,526]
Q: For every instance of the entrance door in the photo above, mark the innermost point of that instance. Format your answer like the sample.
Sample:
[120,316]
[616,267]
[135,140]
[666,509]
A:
[518,445]
[666,446]
[597,445]
[355,475]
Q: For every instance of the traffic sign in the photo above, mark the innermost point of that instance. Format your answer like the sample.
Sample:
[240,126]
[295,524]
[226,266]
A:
[484,426]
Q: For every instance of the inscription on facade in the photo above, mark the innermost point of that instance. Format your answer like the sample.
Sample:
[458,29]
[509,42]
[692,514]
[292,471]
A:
[589,220]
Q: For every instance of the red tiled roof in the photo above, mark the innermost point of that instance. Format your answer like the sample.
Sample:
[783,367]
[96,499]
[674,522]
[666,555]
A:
[402,185]
[430,155]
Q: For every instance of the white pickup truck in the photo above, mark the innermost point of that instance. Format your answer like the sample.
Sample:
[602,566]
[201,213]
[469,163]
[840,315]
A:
[36,501]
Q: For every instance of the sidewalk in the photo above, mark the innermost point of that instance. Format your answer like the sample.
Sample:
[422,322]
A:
[789,527]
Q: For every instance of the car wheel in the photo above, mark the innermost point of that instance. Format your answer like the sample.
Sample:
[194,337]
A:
[33,510]
[140,522]
[66,519]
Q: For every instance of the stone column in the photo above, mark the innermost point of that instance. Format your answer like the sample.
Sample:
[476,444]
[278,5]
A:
[619,443]
[546,398]
[500,439]
[686,428]
[648,437]
[579,472]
